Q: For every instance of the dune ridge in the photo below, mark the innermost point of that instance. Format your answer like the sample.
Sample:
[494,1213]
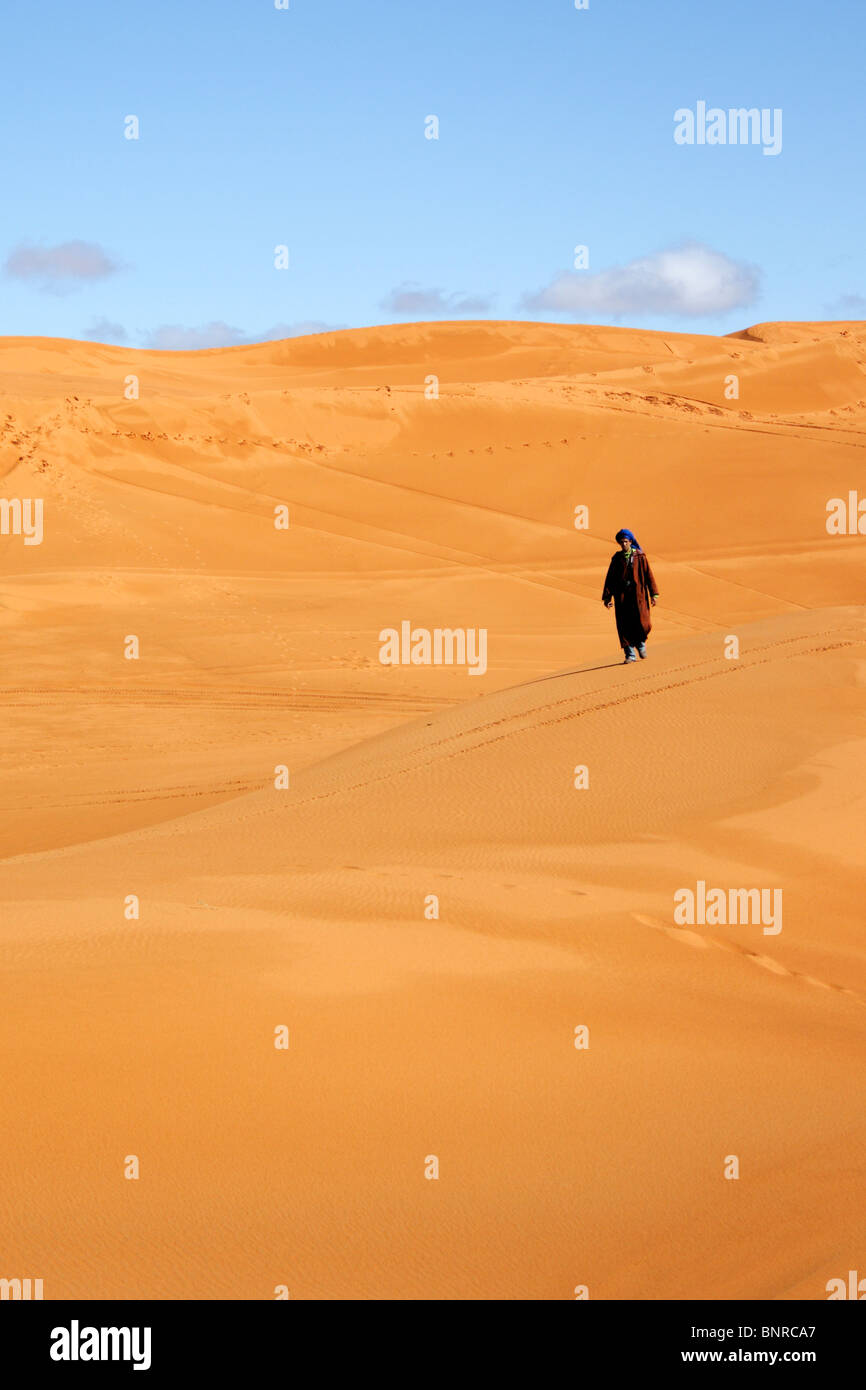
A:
[413,1035]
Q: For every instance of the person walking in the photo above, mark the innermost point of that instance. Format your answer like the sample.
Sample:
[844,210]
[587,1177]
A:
[631,588]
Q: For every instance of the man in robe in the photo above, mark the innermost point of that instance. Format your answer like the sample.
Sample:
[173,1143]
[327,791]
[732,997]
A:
[631,588]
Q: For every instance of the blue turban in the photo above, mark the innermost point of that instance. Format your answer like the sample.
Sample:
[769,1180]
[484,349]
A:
[626,535]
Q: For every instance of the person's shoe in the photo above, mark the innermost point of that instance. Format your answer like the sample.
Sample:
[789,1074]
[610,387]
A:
[629,654]
[641,651]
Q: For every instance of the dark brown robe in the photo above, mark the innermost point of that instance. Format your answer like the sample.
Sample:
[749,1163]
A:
[631,586]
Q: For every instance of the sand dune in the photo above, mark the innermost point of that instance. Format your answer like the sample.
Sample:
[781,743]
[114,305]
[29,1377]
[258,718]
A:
[413,1035]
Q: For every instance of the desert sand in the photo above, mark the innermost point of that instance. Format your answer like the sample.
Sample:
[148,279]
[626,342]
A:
[414,1037]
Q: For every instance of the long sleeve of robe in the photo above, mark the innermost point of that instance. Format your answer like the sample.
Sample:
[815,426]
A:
[631,601]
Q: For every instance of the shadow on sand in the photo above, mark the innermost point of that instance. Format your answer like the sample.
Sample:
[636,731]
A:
[578,671]
[558,675]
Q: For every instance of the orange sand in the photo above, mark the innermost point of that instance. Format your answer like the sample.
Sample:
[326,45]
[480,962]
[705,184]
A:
[304,907]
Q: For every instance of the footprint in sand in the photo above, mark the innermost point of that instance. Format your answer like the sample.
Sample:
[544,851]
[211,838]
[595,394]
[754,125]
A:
[775,967]
[766,963]
[691,938]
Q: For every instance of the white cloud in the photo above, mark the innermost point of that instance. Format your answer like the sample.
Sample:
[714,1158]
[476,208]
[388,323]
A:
[303,329]
[104,331]
[690,280]
[848,306]
[409,300]
[174,337]
[60,268]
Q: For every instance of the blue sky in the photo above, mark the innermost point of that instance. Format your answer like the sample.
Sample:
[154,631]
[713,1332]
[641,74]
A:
[306,128]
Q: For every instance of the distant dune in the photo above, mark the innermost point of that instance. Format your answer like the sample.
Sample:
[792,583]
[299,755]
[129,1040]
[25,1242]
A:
[432,472]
